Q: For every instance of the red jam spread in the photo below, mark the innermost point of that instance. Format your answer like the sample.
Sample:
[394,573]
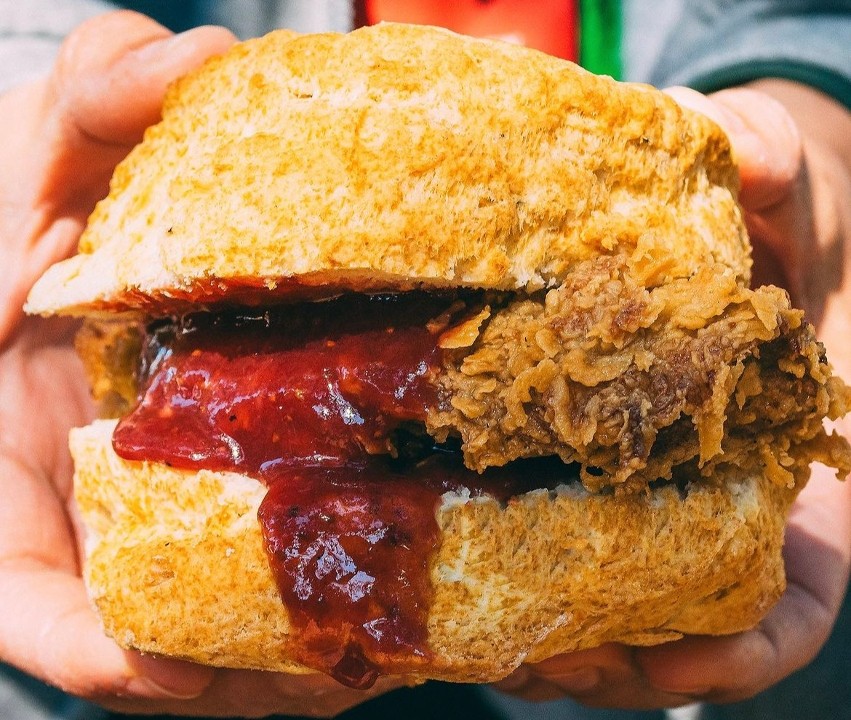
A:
[319,384]
[322,402]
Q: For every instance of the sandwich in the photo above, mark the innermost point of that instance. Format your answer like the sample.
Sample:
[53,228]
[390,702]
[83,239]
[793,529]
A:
[426,356]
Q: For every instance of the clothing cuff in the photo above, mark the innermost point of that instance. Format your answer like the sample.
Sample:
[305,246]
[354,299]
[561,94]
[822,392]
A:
[829,82]
[731,49]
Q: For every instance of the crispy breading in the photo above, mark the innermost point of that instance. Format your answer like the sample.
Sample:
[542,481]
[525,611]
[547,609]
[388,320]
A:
[631,382]
[110,350]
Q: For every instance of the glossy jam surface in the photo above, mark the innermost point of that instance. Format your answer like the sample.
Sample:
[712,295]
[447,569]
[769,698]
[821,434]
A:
[321,384]
[351,554]
[311,400]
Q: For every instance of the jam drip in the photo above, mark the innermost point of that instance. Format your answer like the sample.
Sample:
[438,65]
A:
[353,553]
[353,550]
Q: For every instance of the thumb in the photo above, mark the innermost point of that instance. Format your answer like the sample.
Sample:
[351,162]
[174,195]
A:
[58,638]
[112,73]
[765,140]
[107,87]
[65,134]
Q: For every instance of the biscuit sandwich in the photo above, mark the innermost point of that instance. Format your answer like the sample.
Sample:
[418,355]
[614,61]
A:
[426,356]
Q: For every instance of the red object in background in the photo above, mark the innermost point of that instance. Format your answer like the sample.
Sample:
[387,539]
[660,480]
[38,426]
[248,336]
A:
[548,25]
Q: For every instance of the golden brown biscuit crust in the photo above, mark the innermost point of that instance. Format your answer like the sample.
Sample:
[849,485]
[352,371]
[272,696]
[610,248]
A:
[394,157]
[176,566]
[391,158]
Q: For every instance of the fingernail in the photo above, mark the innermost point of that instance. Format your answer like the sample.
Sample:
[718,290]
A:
[518,679]
[147,688]
[163,678]
[696,693]
[156,48]
[578,681]
[732,121]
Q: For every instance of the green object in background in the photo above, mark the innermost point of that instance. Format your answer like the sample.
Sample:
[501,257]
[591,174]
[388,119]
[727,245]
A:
[600,23]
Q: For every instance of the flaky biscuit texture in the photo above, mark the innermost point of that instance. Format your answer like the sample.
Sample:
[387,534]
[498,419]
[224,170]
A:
[395,157]
[176,566]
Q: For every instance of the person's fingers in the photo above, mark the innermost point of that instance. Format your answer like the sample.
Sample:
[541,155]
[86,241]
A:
[775,190]
[821,519]
[728,669]
[50,630]
[57,637]
[53,634]
[722,669]
[66,134]
[113,71]
[731,668]
[573,674]
[107,87]
[717,669]
[606,676]
[765,140]
[257,694]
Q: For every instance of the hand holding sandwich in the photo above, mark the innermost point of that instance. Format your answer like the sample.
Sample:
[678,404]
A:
[65,135]
[795,164]
[41,583]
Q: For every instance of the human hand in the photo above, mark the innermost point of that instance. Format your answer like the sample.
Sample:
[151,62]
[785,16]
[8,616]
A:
[62,139]
[795,166]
